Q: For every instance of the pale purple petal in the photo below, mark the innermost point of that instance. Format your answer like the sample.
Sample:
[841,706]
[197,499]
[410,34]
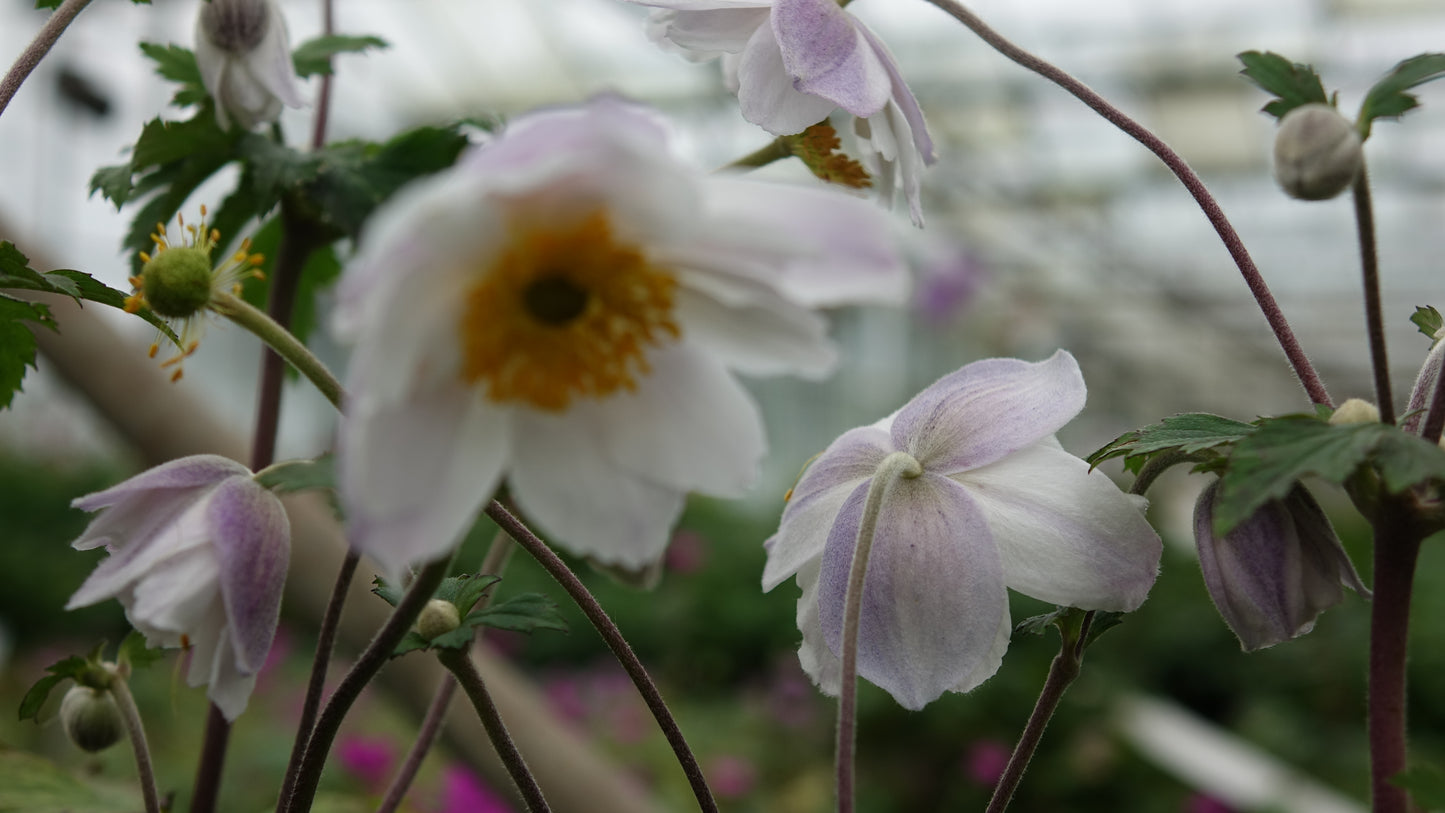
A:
[908,108]
[765,89]
[703,5]
[1066,535]
[186,472]
[817,660]
[817,499]
[933,597]
[252,539]
[989,410]
[689,424]
[138,508]
[174,593]
[988,666]
[564,480]
[826,55]
[708,33]
[134,558]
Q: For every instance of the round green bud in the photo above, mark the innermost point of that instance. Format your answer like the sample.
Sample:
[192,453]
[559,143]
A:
[438,617]
[90,718]
[177,281]
[1355,410]
[1317,152]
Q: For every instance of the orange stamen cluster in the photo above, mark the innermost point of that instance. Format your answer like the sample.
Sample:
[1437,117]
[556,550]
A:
[818,147]
[564,312]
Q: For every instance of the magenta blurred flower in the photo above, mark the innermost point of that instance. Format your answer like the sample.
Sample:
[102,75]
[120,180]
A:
[1202,803]
[464,792]
[731,776]
[369,759]
[948,278]
[687,552]
[984,762]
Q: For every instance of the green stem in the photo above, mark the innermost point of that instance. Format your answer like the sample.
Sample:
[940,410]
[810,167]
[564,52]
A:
[776,150]
[1370,272]
[133,726]
[461,666]
[376,654]
[38,48]
[279,339]
[895,466]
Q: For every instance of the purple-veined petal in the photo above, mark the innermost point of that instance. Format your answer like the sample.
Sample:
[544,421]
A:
[176,592]
[689,424]
[818,499]
[564,480]
[826,55]
[253,547]
[933,598]
[988,410]
[765,89]
[1066,535]
[414,476]
[709,33]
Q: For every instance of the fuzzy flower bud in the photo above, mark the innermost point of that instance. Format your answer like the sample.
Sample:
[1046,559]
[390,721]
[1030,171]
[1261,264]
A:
[1355,410]
[1273,575]
[244,54]
[1424,389]
[1317,152]
[91,719]
[438,617]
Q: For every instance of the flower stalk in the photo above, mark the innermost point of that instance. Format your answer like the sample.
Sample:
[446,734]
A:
[1397,549]
[461,666]
[130,715]
[1374,318]
[44,40]
[279,339]
[895,466]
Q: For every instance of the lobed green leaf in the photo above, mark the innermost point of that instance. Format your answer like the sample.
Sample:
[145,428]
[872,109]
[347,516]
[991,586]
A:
[1388,99]
[133,650]
[1428,320]
[313,57]
[71,668]
[1188,434]
[526,612]
[1293,83]
[298,475]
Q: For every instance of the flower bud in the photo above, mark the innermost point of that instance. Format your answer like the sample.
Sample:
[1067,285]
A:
[1355,410]
[438,617]
[177,282]
[244,55]
[1277,571]
[1424,390]
[90,718]
[235,26]
[1317,152]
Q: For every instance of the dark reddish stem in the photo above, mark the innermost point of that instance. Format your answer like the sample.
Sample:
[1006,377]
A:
[1396,552]
[1374,316]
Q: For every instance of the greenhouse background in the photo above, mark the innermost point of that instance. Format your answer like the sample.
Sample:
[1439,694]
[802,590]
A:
[1046,228]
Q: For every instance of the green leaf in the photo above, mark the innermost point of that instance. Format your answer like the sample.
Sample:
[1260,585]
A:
[521,613]
[113,183]
[17,343]
[71,668]
[298,475]
[163,142]
[16,273]
[178,65]
[465,591]
[133,651]
[48,3]
[1293,83]
[1428,320]
[1426,784]
[1039,624]
[314,56]
[1388,99]
[30,784]
[1187,434]
[1104,620]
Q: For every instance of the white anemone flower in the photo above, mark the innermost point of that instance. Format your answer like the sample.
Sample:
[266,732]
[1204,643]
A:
[198,558]
[563,309]
[792,62]
[997,504]
[244,55]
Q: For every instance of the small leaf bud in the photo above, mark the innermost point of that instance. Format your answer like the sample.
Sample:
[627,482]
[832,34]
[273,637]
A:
[177,282]
[90,718]
[438,617]
[1355,410]
[1317,152]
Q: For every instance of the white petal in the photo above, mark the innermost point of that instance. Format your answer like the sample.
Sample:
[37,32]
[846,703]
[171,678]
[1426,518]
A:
[766,93]
[564,479]
[817,660]
[708,33]
[750,326]
[270,61]
[1067,535]
[183,532]
[818,498]
[688,424]
[826,55]
[414,476]
[175,594]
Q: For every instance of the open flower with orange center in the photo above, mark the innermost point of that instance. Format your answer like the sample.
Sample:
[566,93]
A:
[563,310]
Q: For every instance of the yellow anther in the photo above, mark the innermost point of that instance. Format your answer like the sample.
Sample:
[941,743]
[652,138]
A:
[155,348]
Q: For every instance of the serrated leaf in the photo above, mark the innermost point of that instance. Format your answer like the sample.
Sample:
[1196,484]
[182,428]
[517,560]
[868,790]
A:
[178,65]
[1426,785]
[388,592]
[1104,620]
[17,343]
[526,612]
[1038,624]
[1428,320]
[1293,83]
[71,668]
[113,183]
[133,651]
[465,591]
[1388,99]
[298,475]
[1188,433]
[1405,460]
[313,57]
[163,142]
[411,642]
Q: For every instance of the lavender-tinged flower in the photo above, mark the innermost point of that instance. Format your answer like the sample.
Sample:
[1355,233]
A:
[792,62]
[1277,571]
[563,309]
[1423,392]
[998,504]
[244,55]
[198,556]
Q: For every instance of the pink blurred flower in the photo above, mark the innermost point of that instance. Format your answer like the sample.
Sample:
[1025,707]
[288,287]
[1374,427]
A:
[948,278]
[464,792]
[369,759]
[985,761]
[687,553]
[732,776]
[1202,803]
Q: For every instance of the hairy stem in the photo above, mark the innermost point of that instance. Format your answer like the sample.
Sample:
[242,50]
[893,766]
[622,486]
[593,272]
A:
[38,48]
[559,571]
[893,467]
[1314,387]
[214,743]
[465,671]
[376,654]
[1396,552]
[1374,317]
[133,727]
[323,99]
[316,684]
[1062,672]
[1435,417]
[281,340]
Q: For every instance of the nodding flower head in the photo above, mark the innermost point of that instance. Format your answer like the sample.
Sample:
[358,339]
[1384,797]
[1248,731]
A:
[244,55]
[178,281]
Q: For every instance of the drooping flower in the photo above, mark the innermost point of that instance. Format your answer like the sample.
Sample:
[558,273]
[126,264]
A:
[244,55]
[996,503]
[1277,571]
[792,62]
[198,557]
[179,283]
[563,309]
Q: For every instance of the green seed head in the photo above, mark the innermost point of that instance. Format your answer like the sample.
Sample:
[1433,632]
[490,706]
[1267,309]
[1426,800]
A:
[177,281]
